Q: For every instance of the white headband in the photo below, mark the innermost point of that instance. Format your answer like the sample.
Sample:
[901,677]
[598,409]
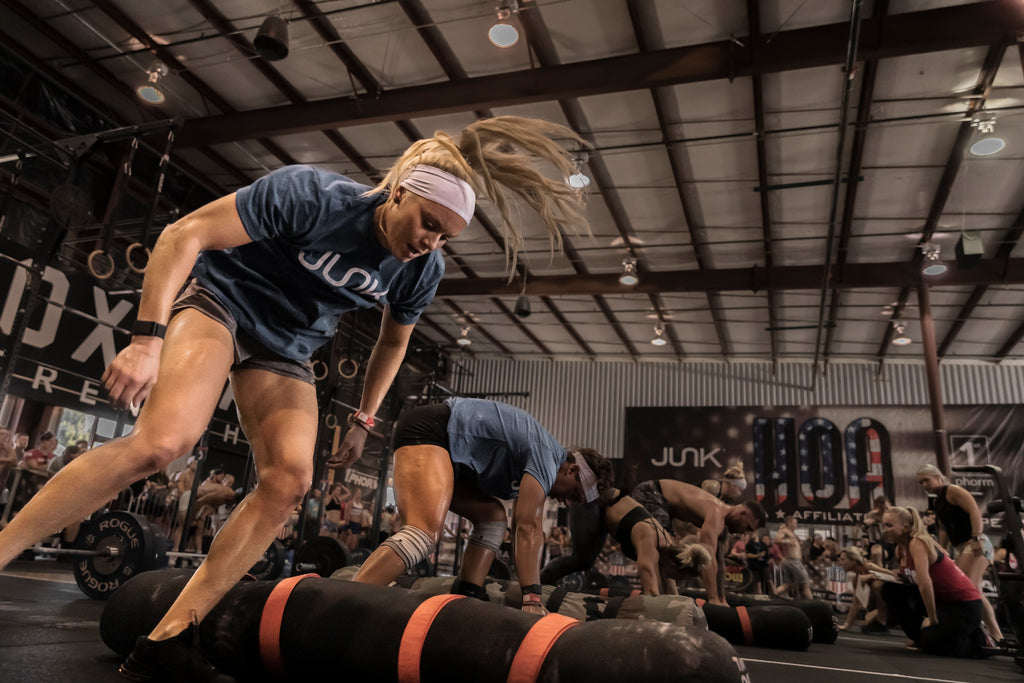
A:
[741,484]
[442,187]
[587,477]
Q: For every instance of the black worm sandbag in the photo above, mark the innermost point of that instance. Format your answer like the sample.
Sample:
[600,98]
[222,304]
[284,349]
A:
[679,610]
[823,621]
[780,627]
[136,612]
[324,622]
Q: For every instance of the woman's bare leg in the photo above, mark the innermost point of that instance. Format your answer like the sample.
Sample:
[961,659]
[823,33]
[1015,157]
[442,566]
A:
[194,363]
[974,566]
[279,417]
[424,480]
[475,505]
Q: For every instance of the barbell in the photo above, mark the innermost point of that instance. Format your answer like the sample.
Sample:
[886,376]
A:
[117,545]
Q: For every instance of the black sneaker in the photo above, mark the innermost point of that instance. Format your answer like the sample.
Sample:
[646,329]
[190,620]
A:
[174,660]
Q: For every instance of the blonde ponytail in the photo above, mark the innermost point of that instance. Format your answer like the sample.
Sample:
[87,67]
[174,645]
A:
[691,558]
[497,157]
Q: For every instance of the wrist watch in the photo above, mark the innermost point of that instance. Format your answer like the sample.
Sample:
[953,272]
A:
[148,328]
[364,420]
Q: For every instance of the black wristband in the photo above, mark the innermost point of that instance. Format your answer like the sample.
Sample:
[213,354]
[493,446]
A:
[534,588]
[146,328]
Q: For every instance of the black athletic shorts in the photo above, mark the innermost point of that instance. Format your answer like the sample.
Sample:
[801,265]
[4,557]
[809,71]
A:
[249,353]
[424,426]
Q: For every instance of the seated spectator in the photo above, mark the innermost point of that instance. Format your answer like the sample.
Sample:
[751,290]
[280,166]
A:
[816,548]
[832,551]
[865,585]
[34,465]
[738,551]
[58,463]
[8,460]
[38,459]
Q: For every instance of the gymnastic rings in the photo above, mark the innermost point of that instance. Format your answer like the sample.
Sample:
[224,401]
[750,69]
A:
[341,368]
[330,420]
[319,375]
[132,248]
[91,263]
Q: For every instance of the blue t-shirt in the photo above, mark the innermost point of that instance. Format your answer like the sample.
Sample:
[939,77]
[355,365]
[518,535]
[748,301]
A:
[501,443]
[314,256]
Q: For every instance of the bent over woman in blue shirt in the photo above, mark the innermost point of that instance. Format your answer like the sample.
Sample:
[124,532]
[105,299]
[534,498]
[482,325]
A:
[468,455]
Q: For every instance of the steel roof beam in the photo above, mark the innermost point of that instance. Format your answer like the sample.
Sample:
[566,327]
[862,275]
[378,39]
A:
[999,271]
[941,29]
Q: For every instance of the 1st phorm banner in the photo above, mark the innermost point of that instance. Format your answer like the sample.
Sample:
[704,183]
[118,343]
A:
[825,465]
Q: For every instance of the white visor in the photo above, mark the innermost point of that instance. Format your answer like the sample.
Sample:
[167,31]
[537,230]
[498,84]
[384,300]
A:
[587,477]
[442,187]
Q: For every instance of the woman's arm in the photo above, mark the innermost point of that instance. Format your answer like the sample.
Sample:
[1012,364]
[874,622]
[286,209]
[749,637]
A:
[385,360]
[919,556]
[529,534]
[215,226]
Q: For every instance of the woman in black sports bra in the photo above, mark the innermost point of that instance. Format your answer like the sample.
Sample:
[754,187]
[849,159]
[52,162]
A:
[659,558]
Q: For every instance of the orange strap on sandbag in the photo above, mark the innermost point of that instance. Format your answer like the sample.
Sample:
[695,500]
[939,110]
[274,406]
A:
[748,630]
[535,647]
[270,625]
[415,633]
[743,616]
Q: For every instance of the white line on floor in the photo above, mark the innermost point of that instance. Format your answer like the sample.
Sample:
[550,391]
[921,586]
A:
[883,641]
[39,577]
[854,671]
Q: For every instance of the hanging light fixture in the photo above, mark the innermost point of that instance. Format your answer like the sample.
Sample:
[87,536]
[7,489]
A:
[271,41]
[659,340]
[985,123]
[629,276]
[899,337]
[503,32]
[932,264]
[150,91]
[579,179]
[464,340]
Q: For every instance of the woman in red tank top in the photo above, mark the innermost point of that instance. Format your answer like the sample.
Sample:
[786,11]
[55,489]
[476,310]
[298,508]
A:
[937,606]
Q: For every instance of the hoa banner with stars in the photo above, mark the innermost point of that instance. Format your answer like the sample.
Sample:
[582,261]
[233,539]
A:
[823,464]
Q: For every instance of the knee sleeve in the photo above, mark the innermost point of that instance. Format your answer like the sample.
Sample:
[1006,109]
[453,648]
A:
[488,535]
[412,545]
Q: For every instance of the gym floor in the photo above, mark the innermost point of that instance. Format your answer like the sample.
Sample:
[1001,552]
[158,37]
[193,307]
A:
[49,632]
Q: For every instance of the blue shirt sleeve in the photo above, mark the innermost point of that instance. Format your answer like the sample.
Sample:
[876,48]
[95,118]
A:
[415,288]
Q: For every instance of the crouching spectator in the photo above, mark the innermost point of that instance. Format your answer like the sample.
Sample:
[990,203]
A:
[936,605]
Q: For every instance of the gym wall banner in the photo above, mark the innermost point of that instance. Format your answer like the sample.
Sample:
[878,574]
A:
[70,340]
[823,464]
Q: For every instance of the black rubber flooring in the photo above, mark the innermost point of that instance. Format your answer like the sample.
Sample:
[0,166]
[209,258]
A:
[49,632]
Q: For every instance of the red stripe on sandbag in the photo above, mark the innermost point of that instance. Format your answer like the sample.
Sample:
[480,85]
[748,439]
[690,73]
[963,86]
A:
[415,633]
[270,624]
[748,630]
[536,645]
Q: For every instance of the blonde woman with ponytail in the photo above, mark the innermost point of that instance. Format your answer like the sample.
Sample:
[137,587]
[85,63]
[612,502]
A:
[937,606]
[269,270]
[660,559]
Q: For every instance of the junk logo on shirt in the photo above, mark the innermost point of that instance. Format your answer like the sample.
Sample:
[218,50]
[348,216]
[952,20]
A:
[355,279]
